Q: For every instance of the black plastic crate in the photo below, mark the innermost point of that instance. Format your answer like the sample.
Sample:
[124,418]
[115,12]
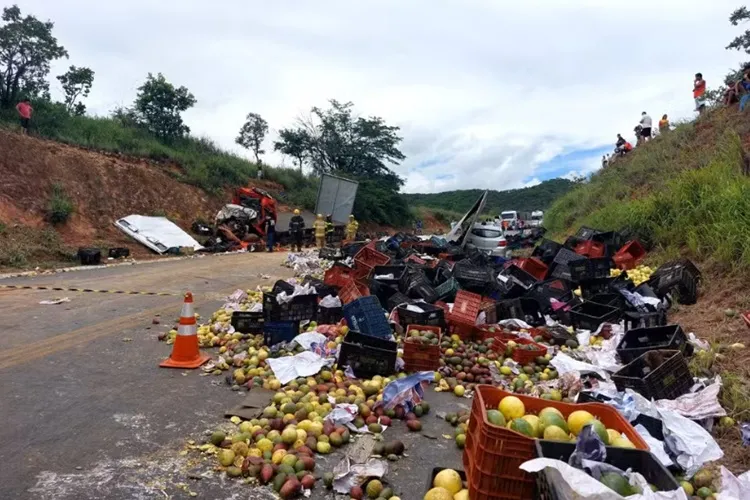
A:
[591,288]
[300,308]
[330,315]
[321,288]
[367,355]
[640,461]
[613,299]
[612,240]
[584,270]
[523,308]
[248,322]
[396,300]
[412,277]
[589,315]
[447,290]
[678,278]
[636,319]
[436,471]
[367,316]
[660,374]
[275,332]
[563,314]
[382,291]
[396,271]
[546,251]
[471,277]
[639,341]
[544,291]
[423,291]
[282,286]
[565,256]
[432,315]
[90,256]
[119,253]
[586,233]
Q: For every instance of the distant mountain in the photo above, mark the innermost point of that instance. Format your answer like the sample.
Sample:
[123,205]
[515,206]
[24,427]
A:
[539,197]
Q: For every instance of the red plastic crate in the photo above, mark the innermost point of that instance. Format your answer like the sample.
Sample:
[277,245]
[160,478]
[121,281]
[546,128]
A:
[420,357]
[630,255]
[457,326]
[363,286]
[350,292]
[466,307]
[338,276]
[485,332]
[371,257]
[534,267]
[591,249]
[445,307]
[492,454]
[362,271]
[519,355]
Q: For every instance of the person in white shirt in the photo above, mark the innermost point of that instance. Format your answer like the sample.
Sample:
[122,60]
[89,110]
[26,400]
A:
[646,126]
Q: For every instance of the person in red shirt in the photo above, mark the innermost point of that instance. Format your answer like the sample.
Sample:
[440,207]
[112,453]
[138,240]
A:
[699,89]
[24,112]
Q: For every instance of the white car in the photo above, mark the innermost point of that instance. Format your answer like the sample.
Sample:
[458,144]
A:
[489,238]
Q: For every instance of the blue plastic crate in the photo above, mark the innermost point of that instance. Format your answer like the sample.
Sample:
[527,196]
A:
[279,331]
[366,316]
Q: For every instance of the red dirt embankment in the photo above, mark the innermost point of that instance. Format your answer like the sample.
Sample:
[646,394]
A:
[103,188]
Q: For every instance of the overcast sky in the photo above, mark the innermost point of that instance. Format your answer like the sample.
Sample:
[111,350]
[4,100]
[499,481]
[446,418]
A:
[488,93]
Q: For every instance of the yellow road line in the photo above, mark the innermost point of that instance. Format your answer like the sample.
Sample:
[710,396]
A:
[88,290]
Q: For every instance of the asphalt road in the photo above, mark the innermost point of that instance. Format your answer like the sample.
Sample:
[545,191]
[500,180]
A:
[88,414]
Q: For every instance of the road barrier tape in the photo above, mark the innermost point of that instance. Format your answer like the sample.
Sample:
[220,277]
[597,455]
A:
[90,290]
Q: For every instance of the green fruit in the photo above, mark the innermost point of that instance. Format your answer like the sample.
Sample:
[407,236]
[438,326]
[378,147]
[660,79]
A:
[278,481]
[617,483]
[217,438]
[601,431]
[374,488]
[496,418]
[386,493]
[522,426]
[704,492]
[550,419]
[375,428]
[379,449]
[461,441]
[287,469]
[234,471]
[571,344]
[554,433]
[328,480]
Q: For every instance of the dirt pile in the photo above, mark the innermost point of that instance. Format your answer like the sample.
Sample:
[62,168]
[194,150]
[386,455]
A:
[103,188]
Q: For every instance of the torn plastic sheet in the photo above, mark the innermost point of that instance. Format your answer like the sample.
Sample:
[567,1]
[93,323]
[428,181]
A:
[575,484]
[304,364]
[733,487]
[307,339]
[655,446]
[407,391]
[564,364]
[347,475]
[698,405]
[745,433]
[54,302]
[283,298]
[344,414]
[330,301]
[690,443]
[700,344]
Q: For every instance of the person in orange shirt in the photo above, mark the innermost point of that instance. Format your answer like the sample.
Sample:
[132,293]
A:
[24,113]
[699,91]
[663,124]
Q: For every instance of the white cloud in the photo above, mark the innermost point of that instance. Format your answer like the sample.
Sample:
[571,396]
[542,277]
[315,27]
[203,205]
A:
[484,91]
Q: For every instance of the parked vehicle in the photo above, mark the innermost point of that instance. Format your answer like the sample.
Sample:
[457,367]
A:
[489,238]
[537,218]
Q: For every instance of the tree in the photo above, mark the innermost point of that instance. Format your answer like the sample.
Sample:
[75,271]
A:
[76,82]
[252,134]
[158,106]
[337,141]
[294,143]
[26,49]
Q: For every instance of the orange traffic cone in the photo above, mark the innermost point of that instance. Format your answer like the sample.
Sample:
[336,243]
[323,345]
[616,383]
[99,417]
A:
[185,353]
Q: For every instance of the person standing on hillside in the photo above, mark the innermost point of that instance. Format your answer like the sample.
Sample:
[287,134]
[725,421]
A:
[699,91]
[352,228]
[24,113]
[329,230]
[663,125]
[646,126]
[296,228]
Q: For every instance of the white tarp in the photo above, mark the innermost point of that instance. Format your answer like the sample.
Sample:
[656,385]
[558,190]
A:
[157,233]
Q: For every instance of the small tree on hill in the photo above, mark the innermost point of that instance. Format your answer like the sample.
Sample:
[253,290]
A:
[158,106]
[252,134]
[26,49]
[76,82]
[293,142]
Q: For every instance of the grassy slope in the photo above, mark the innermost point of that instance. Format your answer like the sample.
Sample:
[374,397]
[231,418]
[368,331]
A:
[538,197]
[203,163]
[683,192]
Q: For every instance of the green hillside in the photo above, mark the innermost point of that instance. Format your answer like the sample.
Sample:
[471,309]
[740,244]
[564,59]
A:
[539,197]
[684,192]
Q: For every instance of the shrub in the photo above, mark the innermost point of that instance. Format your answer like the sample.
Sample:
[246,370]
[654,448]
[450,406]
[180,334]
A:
[60,206]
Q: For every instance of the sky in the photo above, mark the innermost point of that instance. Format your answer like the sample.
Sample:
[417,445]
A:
[488,93]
